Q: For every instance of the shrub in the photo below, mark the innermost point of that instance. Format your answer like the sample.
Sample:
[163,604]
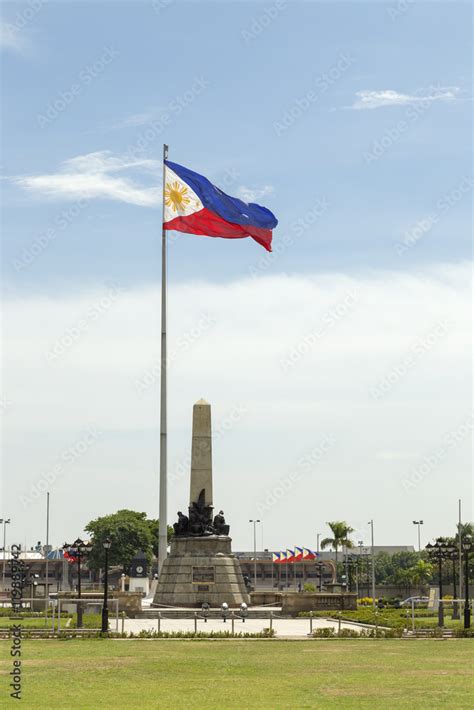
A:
[326,633]
[308,587]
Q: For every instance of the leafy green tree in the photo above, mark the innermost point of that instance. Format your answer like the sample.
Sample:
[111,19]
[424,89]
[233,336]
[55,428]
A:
[128,531]
[155,531]
[402,577]
[421,573]
[341,531]
[383,567]
[402,561]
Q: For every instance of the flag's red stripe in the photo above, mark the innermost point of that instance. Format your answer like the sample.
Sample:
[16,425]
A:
[210,224]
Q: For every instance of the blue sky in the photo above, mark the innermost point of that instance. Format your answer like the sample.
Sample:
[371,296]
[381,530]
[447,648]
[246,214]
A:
[369,181]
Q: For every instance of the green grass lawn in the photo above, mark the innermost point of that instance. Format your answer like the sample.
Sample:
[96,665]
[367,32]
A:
[102,673]
[89,621]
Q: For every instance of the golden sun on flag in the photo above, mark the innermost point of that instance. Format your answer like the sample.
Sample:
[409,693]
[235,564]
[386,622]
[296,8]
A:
[176,196]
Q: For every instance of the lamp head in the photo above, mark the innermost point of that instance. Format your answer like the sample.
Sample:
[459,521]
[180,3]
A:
[107,544]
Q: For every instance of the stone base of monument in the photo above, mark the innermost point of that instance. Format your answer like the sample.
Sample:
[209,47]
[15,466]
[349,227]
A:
[201,570]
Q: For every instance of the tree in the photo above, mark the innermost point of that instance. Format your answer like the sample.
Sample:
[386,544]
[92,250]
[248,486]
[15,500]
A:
[128,531]
[341,531]
[155,531]
[421,574]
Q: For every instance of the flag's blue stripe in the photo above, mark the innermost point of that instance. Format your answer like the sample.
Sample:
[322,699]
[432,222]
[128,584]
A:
[229,208]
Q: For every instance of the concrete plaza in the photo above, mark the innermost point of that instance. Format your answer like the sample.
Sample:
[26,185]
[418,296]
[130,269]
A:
[284,628]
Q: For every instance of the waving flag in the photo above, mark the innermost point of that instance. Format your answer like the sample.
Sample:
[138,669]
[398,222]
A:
[70,556]
[290,555]
[196,206]
[276,557]
[309,554]
[298,554]
[282,557]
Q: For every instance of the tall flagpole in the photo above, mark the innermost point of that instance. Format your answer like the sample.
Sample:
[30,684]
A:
[46,588]
[163,537]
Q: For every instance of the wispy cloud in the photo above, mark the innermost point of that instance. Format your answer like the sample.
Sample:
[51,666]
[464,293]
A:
[136,120]
[250,194]
[98,175]
[12,39]
[368,99]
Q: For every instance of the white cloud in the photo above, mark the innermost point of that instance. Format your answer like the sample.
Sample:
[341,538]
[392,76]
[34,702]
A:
[13,39]
[237,361]
[367,99]
[249,194]
[136,120]
[98,175]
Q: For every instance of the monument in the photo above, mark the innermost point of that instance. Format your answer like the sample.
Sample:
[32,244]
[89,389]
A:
[201,567]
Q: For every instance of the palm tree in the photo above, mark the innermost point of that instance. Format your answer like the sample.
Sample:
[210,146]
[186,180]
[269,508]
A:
[421,573]
[341,531]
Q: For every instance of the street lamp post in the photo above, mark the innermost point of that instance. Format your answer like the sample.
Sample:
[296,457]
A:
[80,548]
[350,565]
[318,535]
[419,523]
[454,558]
[467,548]
[5,523]
[371,523]
[438,552]
[255,552]
[105,609]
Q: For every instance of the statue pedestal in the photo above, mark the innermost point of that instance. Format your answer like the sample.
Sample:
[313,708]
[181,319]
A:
[199,570]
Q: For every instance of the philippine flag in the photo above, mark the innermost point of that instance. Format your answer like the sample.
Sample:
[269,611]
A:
[298,554]
[196,206]
[276,557]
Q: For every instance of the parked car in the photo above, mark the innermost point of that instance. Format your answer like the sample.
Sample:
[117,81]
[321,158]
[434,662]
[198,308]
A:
[417,600]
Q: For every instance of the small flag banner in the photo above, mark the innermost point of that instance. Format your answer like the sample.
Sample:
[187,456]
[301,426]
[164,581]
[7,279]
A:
[297,555]
[70,556]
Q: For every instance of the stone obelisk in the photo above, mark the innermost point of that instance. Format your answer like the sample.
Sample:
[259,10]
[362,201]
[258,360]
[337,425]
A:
[201,453]
[201,567]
